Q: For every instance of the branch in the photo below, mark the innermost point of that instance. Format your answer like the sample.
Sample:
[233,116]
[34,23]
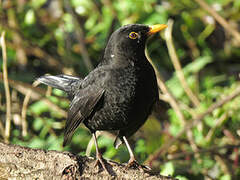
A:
[26,163]
[6,87]
[176,63]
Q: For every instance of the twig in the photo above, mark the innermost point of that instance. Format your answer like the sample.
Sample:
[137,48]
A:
[89,147]
[232,138]
[1,124]
[24,109]
[222,164]
[2,129]
[195,121]
[80,36]
[24,114]
[6,87]
[220,20]
[219,121]
[175,60]
[49,90]
[211,149]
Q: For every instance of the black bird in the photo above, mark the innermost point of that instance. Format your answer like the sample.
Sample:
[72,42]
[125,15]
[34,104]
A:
[118,95]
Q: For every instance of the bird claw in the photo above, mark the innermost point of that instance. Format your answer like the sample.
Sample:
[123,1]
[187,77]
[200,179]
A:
[101,162]
[133,163]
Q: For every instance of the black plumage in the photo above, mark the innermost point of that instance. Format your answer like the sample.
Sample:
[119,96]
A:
[118,95]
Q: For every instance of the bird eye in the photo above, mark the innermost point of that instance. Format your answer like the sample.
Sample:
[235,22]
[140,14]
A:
[133,35]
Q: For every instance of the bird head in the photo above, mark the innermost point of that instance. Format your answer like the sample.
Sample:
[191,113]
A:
[129,40]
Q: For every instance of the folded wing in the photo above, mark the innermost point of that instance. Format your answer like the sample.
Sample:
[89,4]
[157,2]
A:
[81,107]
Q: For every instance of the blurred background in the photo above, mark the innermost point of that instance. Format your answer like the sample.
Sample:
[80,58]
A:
[194,130]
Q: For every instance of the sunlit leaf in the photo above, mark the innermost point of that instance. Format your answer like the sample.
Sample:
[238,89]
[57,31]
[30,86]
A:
[29,17]
[167,169]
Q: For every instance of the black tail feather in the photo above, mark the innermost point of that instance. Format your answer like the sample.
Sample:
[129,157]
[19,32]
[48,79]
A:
[62,82]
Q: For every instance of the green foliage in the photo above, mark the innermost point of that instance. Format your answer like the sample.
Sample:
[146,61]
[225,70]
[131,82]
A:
[42,38]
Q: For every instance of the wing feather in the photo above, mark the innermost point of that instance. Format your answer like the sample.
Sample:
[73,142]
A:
[81,107]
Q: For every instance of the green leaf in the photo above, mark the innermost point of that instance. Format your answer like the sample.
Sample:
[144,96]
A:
[175,126]
[37,3]
[36,142]
[157,18]
[197,64]
[53,99]
[181,177]
[104,141]
[111,152]
[58,92]
[29,17]
[208,162]
[55,143]
[198,136]
[210,121]
[225,177]
[44,131]
[81,137]
[38,107]
[68,23]
[167,169]
[38,124]
[140,146]
[194,67]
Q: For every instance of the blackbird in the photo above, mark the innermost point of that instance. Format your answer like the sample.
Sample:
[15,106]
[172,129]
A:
[118,95]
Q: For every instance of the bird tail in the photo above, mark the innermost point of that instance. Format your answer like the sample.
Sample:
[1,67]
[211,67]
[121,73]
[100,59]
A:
[62,82]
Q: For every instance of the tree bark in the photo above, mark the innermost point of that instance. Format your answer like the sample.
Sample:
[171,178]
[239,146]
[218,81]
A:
[17,162]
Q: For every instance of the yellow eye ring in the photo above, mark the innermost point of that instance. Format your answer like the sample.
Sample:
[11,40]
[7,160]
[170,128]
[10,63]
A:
[133,35]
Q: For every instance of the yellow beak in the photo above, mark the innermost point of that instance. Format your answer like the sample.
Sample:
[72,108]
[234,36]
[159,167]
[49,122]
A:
[156,28]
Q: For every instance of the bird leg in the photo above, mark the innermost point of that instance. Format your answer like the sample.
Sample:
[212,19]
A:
[99,159]
[133,163]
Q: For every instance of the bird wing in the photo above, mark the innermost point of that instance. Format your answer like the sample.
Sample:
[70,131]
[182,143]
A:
[81,107]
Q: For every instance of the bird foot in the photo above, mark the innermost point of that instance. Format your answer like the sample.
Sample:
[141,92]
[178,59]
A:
[69,172]
[101,162]
[133,163]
